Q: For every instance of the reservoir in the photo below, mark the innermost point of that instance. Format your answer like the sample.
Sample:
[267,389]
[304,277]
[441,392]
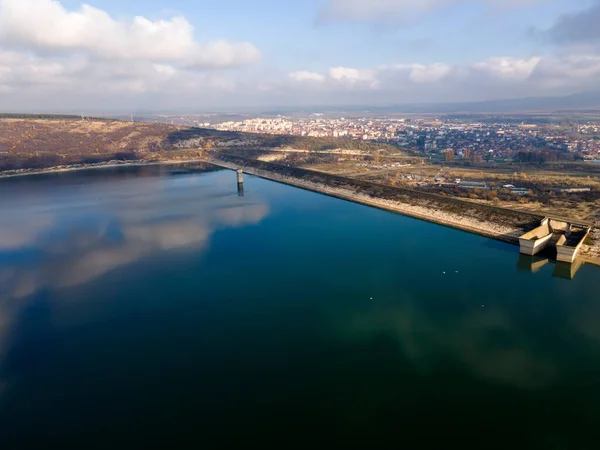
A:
[157,307]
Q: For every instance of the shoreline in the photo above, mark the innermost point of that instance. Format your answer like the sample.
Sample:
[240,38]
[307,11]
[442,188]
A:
[490,230]
[106,165]
[486,229]
[509,235]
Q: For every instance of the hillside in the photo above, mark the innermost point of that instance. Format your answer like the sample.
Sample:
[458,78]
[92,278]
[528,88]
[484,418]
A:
[36,143]
[27,143]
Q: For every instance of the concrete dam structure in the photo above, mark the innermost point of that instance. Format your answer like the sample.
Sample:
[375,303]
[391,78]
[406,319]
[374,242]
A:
[566,237]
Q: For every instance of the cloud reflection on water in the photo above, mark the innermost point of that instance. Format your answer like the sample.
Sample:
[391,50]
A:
[488,342]
[92,232]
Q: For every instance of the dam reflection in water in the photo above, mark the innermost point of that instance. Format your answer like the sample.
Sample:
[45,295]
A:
[535,264]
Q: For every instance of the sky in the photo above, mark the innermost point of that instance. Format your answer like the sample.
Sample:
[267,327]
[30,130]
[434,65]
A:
[227,55]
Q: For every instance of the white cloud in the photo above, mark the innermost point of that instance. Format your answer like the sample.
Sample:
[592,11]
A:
[45,26]
[509,67]
[80,84]
[35,83]
[307,76]
[165,70]
[381,77]
[424,73]
[52,57]
[353,76]
[582,71]
[429,74]
[21,69]
[494,78]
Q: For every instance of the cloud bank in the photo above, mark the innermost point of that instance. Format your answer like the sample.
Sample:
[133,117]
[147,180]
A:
[45,26]
[48,53]
[84,60]
[506,77]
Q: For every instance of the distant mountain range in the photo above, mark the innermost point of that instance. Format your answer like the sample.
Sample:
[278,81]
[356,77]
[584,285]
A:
[581,102]
[578,102]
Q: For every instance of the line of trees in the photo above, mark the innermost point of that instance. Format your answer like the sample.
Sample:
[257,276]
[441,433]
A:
[544,156]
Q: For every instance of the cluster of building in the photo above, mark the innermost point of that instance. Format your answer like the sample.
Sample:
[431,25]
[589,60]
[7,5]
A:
[318,126]
[450,139]
[498,141]
[483,185]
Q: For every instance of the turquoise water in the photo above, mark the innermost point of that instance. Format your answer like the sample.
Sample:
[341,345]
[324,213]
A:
[155,308]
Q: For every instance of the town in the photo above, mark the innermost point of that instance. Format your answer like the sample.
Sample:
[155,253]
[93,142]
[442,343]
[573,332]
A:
[474,141]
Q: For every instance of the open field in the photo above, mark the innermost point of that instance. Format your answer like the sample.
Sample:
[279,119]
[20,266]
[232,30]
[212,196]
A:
[544,183]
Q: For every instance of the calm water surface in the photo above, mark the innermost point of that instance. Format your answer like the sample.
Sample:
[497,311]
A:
[154,308]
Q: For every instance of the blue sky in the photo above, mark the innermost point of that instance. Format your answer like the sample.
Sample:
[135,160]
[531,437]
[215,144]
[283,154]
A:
[258,53]
[288,33]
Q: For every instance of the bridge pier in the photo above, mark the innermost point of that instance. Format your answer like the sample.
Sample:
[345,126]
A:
[240,182]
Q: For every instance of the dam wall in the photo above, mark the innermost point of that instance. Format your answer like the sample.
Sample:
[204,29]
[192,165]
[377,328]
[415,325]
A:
[560,235]
[536,240]
[518,219]
[568,245]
